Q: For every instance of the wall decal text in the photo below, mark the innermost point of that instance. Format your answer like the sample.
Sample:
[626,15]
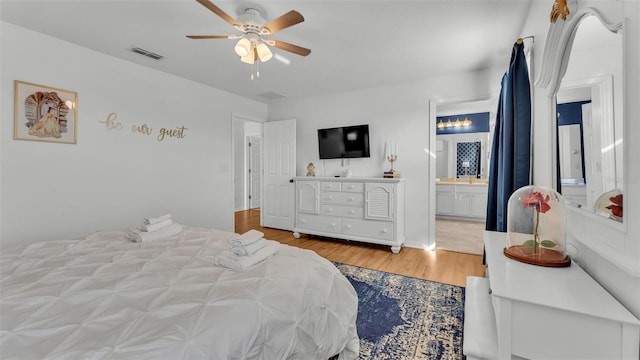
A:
[110,123]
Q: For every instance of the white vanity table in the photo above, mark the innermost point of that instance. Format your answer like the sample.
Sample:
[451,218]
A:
[534,312]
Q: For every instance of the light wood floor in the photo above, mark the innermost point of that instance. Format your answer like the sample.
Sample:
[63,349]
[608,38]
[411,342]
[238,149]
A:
[460,236]
[438,265]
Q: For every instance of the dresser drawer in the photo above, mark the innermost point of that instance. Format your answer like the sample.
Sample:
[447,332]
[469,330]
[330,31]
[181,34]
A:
[343,211]
[341,198]
[352,187]
[368,229]
[318,223]
[330,186]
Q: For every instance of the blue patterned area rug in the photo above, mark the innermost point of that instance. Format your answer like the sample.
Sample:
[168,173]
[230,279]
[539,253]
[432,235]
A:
[401,317]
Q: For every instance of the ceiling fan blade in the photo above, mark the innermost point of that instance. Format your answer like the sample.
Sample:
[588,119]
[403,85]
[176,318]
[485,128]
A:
[299,50]
[199,37]
[209,5]
[289,19]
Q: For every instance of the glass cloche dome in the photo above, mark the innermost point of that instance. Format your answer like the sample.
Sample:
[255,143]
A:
[536,222]
[609,204]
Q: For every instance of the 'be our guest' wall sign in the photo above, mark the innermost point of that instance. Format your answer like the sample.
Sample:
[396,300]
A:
[111,123]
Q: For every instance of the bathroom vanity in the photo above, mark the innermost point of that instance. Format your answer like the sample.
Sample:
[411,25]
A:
[461,199]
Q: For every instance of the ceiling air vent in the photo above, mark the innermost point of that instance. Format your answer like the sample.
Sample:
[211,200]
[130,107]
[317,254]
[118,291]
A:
[272,95]
[146,53]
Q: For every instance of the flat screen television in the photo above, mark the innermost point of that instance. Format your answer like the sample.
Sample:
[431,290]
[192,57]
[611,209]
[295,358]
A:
[344,142]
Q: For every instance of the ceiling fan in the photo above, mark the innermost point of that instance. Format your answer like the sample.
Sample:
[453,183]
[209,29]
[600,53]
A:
[253,44]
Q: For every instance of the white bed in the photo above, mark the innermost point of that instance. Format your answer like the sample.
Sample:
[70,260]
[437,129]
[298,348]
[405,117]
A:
[106,297]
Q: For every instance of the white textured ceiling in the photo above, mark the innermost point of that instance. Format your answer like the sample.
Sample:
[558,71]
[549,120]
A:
[354,44]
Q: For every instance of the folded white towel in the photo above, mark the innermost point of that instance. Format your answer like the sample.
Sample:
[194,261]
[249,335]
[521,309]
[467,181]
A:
[247,238]
[232,261]
[248,249]
[138,235]
[156,226]
[155,220]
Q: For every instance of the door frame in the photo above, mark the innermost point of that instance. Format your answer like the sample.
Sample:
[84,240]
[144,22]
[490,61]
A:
[237,117]
[256,171]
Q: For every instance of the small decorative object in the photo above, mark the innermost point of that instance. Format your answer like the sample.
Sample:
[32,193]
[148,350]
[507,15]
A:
[392,156]
[609,204]
[347,173]
[43,113]
[311,169]
[536,227]
[560,8]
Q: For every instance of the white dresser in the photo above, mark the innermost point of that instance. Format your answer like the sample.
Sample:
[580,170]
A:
[534,312]
[360,209]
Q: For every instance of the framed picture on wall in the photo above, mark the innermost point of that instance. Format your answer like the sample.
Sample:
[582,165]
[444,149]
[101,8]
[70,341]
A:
[44,113]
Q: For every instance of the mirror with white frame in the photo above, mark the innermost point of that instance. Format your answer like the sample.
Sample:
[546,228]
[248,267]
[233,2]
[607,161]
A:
[589,117]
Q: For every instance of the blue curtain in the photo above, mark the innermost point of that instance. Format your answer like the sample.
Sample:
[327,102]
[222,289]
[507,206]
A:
[510,161]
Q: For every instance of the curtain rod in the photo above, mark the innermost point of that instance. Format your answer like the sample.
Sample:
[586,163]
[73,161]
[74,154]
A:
[520,40]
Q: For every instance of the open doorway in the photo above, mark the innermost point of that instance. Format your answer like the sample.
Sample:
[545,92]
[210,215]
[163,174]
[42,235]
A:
[458,176]
[247,167]
[253,171]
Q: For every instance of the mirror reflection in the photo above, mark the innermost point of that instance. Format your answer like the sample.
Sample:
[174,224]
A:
[589,117]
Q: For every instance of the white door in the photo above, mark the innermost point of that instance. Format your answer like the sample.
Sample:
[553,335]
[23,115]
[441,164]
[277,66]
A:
[255,171]
[279,148]
[592,156]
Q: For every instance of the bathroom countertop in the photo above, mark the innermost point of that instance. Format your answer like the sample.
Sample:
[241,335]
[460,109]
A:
[478,182]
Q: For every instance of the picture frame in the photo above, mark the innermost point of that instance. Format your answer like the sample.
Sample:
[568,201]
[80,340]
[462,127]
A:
[44,113]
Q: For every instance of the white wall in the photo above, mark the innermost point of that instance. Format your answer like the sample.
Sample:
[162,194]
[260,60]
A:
[112,179]
[397,112]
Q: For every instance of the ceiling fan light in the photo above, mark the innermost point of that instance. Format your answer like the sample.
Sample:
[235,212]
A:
[249,58]
[243,47]
[263,52]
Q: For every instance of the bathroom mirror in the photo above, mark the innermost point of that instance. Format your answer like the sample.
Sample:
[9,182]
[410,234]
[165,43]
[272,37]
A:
[589,116]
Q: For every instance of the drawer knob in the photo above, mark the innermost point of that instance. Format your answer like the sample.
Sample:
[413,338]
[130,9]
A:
[352,211]
[351,199]
[348,226]
[304,221]
[329,210]
[385,231]
[330,197]
[333,224]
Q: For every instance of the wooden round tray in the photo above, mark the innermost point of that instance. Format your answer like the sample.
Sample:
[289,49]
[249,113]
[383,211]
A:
[544,257]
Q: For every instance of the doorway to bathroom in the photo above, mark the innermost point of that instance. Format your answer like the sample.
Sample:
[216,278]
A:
[461,136]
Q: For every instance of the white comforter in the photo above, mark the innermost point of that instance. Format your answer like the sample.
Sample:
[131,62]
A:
[106,297]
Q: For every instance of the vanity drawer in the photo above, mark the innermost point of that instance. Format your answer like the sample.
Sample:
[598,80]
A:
[342,211]
[341,198]
[352,187]
[318,223]
[368,229]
